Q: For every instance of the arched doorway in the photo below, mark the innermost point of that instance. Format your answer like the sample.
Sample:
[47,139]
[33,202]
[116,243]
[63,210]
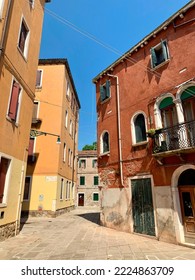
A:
[186,186]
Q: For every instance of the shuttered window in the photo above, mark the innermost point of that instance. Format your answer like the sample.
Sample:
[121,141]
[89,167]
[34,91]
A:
[95,197]
[14,101]
[4,164]
[95,180]
[159,54]
[23,37]
[105,140]
[105,91]
[82,180]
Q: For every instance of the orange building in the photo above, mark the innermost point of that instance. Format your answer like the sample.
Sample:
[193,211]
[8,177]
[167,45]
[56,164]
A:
[20,36]
[146,134]
[52,167]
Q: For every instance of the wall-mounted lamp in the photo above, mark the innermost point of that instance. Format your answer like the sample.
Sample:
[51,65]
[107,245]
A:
[36,133]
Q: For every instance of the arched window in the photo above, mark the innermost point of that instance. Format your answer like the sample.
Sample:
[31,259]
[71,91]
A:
[105,145]
[168,112]
[139,128]
[188,103]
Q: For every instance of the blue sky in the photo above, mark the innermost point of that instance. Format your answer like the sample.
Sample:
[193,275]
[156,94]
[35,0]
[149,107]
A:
[92,34]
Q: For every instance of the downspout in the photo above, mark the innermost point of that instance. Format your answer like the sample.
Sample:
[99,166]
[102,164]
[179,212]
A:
[119,127]
[5,27]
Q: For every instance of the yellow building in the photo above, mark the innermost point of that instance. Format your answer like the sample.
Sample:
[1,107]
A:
[52,167]
[20,36]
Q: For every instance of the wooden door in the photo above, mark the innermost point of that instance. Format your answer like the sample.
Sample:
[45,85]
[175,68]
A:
[187,200]
[81,199]
[142,204]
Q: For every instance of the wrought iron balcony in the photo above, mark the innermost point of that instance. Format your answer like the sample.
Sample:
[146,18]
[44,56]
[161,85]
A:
[179,137]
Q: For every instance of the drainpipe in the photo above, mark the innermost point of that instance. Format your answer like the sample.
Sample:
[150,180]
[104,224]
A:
[5,27]
[119,126]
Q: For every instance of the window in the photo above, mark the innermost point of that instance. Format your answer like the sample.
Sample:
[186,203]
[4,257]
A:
[4,168]
[82,163]
[27,188]
[68,90]
[32,3]
[105,147]
[68,185]
[105,91]
[95,180]
[82,180]
[31,155]
[39,78]
[95,196]
[14,101]
[23,38]
[62,189]
[1,8]
[94,163]
[140,128]
[159,54]
[70,128]
[66,118]
[64,153]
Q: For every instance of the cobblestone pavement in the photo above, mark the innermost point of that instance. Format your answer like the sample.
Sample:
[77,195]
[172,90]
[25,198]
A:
[77,235]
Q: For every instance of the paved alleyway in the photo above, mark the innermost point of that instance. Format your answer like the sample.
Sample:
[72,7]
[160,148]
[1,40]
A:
[77,236]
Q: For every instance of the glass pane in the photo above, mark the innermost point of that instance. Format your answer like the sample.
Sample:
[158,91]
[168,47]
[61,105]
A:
[187,204]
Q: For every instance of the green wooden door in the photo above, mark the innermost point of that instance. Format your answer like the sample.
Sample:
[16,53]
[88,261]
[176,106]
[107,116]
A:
[142,204]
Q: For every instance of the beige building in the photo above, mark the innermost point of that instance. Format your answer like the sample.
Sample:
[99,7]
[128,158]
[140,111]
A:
[52,169]
[20,36]
[87,179]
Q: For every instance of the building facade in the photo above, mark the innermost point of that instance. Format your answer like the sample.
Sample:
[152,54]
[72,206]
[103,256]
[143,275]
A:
[20,36]
[87,179]
[146,125]
[52,168]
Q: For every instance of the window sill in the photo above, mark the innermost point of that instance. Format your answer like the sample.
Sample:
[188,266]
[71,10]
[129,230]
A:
[12,121]
[22,54]
[3,205]
[140,144]
[105,100]
[104,154]
[160,65]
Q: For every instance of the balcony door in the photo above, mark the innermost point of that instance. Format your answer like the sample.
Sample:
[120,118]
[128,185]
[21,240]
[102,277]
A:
[169,120]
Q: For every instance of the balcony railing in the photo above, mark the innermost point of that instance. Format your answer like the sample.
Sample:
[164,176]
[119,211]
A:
[178,137]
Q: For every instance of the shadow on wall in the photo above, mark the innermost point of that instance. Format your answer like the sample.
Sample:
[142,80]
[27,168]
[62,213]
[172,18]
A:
[92,217]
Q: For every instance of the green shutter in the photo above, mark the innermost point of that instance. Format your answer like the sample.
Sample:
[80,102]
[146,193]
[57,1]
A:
[95,197]
[153,56]
[189,92]
[96,181]
[82,180]
[102,93]
[107,89]
[166,102]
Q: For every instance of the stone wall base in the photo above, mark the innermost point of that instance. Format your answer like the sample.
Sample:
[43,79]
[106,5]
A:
[7,231]
[47,213]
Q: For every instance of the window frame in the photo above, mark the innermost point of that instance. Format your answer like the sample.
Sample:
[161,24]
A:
[24,49]
[102,149]
[133,130]
[163,46]
[1,8]
[39,85]
[105,91]
[7,180]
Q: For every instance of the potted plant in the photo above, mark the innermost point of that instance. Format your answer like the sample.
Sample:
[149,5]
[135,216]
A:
[150,133]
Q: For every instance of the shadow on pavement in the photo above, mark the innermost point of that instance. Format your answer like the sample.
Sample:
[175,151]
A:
[92,217]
